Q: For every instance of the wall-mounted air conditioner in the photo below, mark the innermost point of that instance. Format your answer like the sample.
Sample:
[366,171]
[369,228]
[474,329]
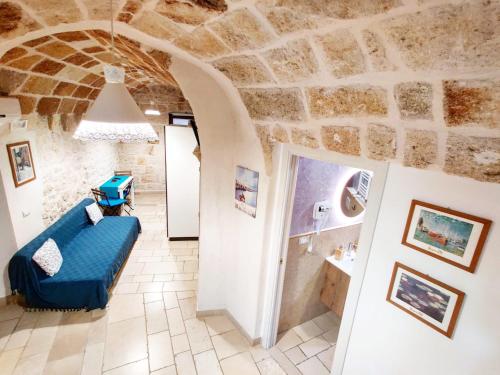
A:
[10,110]
[10,113]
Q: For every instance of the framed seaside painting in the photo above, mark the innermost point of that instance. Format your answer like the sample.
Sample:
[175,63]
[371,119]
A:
[21,163]
[245,190]
[451,236]
[428,300]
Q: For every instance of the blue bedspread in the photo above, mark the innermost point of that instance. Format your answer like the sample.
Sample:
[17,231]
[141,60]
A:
[92,256]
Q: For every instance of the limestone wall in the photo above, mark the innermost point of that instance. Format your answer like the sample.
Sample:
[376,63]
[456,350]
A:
[68,168]
[146,161]
[410,81]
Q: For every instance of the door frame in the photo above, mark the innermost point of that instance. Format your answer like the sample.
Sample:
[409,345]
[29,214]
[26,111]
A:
[279,218]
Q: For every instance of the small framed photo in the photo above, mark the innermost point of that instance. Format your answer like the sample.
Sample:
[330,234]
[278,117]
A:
[21,163]
[451,236]
[246,188]
[428,300]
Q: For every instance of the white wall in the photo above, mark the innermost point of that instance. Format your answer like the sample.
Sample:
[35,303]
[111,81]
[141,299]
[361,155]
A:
[384,339]
[230,241]
[25,199]
[183,182]
[15,229]
[7,241]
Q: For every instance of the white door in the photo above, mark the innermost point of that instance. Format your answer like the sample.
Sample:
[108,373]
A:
[183,182]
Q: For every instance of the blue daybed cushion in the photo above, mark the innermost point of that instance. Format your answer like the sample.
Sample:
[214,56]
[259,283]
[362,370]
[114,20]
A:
[92,257]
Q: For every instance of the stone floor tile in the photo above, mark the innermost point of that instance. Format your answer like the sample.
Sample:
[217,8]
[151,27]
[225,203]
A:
[207,363]
[71,337]
[240,364]
[180,343]
[180,286]
[160,351]
[156,317]
[143,278]
[125,343]
[288,341]
[283,361]
[10,312]
[308,330]
[161,268]
[186,294]
[295,355]
[92,359]
[183,276]
[170,300]
[313,366]
[185,364]
[170,370]
[152,297]
[68,365]
[188,308]
[7,327]
[198,336]
[125,306]
[9,359]
[229,344]
[259,353]
[218,324]
[325,322]
[175,322]
[150,287]
[270,367]
[135,368]
[332,336]
[126,288]
[164,277]
[326,357]
[314,346]
[31,365]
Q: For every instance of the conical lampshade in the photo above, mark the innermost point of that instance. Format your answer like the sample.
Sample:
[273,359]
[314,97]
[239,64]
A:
[115,117]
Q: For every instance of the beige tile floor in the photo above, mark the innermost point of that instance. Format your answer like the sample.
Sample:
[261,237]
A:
[150,324]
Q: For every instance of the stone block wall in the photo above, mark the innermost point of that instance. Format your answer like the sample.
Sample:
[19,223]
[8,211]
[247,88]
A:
[414,82]
[146,161]
[68,168]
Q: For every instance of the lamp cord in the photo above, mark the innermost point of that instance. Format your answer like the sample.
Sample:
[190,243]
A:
[112,32]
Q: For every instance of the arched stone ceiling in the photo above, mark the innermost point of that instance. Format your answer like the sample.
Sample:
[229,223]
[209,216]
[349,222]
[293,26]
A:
[63,73]
[416,81]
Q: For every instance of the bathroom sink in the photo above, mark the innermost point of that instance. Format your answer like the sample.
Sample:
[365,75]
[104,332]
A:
[346,265]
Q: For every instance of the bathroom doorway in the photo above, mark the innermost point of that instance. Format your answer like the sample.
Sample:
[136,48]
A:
[326,224]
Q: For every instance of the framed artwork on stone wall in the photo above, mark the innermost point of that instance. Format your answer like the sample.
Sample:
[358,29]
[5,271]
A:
[245,190]
[448,235]
[21,163]
[429,300]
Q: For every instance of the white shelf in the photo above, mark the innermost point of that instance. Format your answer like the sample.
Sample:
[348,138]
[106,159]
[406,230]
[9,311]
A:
[346,265]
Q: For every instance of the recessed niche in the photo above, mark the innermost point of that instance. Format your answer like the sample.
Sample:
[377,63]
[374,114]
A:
[355,193]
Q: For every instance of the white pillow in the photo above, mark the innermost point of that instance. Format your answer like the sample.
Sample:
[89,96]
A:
[48,257]
[94,213]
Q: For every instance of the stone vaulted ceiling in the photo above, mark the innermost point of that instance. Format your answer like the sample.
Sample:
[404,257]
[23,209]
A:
[63,73]
[410,80]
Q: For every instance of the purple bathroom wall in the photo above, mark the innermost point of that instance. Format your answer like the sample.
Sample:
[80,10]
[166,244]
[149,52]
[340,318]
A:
[318,181]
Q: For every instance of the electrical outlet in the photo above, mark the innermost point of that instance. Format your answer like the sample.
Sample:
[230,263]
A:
[303,240]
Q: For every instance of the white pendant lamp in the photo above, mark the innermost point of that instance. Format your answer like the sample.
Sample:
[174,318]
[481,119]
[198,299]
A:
[114,116]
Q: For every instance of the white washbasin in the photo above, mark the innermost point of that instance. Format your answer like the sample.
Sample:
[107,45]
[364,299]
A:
[346,265]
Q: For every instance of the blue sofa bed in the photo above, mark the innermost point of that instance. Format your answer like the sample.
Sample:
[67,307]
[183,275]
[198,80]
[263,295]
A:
[92,256]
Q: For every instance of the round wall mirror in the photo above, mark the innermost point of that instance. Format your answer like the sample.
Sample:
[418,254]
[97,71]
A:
[353,199]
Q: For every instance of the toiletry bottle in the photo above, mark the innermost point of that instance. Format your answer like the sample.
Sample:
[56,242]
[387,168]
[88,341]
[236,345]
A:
[339,253]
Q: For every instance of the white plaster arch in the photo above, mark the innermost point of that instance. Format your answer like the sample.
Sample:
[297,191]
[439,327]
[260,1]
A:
[231,242]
